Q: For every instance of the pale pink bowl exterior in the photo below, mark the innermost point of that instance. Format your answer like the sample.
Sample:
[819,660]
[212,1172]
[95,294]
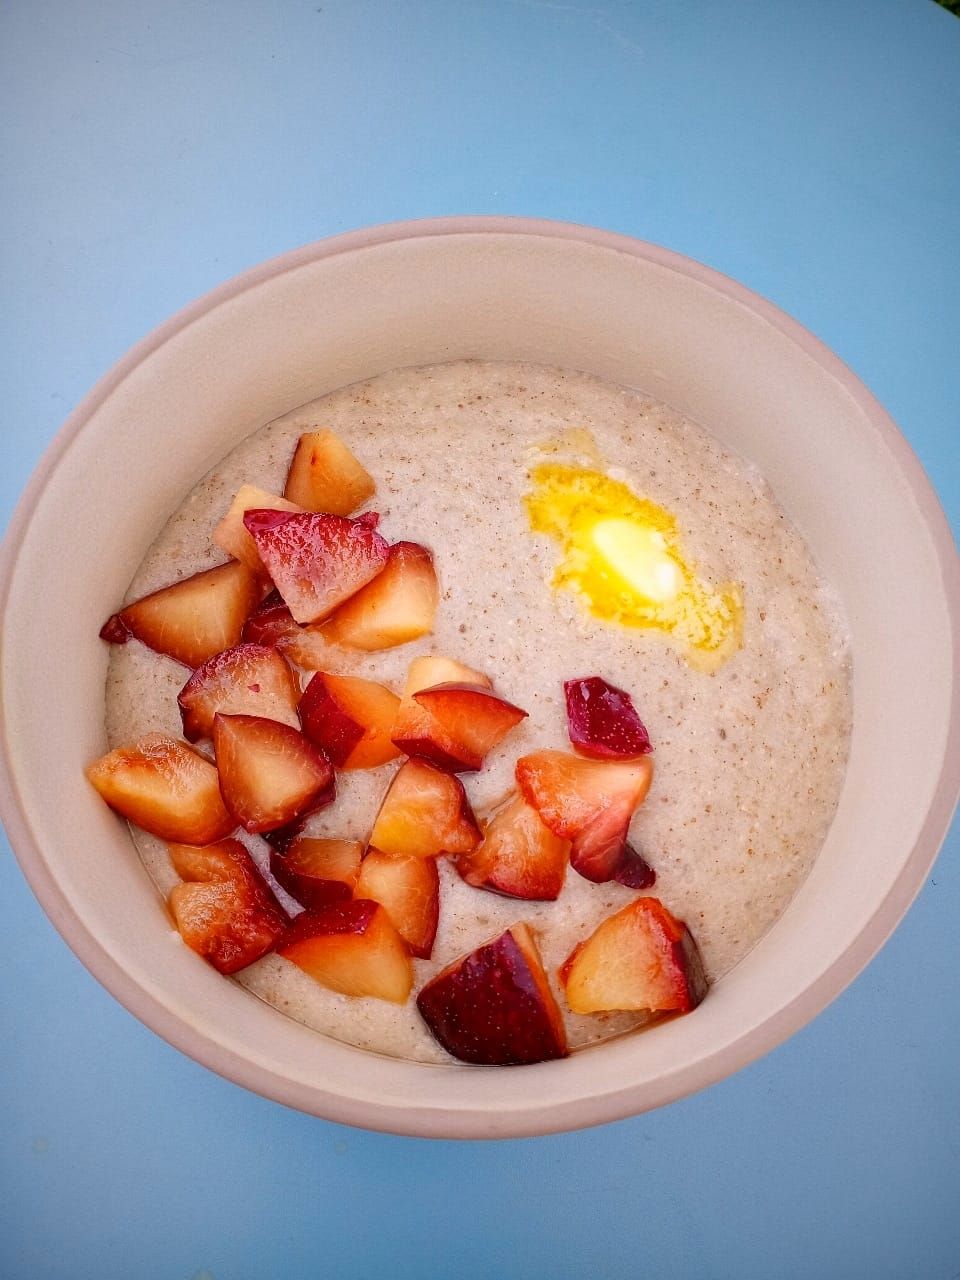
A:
[415,293]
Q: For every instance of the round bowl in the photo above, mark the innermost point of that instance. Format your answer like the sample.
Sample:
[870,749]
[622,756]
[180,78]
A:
[499,289]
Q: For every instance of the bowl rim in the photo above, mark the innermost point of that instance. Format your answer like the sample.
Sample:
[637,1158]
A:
[530,1119]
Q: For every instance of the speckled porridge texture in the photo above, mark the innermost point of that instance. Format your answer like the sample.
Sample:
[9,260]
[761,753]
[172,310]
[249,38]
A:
[749,761]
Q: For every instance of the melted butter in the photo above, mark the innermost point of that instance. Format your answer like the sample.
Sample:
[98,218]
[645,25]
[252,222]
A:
[622,555]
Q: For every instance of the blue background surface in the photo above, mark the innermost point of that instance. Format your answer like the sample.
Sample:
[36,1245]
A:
[812,151]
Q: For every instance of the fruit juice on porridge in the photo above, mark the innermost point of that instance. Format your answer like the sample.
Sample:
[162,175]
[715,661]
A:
[533,490]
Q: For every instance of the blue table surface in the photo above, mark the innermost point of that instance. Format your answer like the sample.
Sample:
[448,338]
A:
[812,151]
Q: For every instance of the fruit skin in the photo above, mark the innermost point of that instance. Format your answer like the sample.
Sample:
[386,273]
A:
[190,620]
[325,476]
[317,561]
[165,787]
[269,773]
[416,731]
[398,606]
[494,1006]
[318,872]
[424,813]
[570,793]
[472,718]
[408,889]
[634,872]
[250,678]
[224,910]
[270,622]
[518,857]
[352,948]
[641,958]
[602,721]
[350,720]
[231,536]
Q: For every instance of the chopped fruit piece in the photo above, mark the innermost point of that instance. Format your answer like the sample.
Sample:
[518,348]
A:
[269,773]
[519,856]
[325,476]
[424,813]
[494,1006]
[641,958]
[193,619]
[350,720]
[599,851]
[588,802]
[426,673]
[352,948]
[310,648]
[473,717]
[570,793]
[225,910]
[603,722]
[634,871]
[317,561]
[166,788]
[397,606]
[269,622]
[318,872]
[416,731]
[250,678]
[409,891]
[231,535]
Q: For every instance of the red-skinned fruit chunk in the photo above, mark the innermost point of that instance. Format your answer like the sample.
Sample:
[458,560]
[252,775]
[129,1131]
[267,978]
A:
[269,773]
[417,732]
[350,720]
[317,561]
[640,959]
[352,948]
[318,872]
[166,788]
[325,476]
[409,891]
[251,679]
[424,813]
[518,857]
[231,534]
[224,910]
[570,793]
[494,1006]
[602,721]
[634,871]
[190,620]
[473,717]
[399,605]
[270,622]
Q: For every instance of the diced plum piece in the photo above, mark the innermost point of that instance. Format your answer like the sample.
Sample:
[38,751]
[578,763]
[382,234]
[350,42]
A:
[325,476]
[425,813]
[166,788]
[417,732]
[399,605]
[318,872]
[634,871]
[224,910]
[317,561]
[494,1006]
[472,717]
[641,959]
[231,534]
[269,773]
[518,857]
[408,888]
[193,619]
[350,720]
[353,948]
[602,721]
[250,679]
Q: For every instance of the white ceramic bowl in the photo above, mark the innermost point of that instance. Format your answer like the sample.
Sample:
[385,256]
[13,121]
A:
[500,289]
